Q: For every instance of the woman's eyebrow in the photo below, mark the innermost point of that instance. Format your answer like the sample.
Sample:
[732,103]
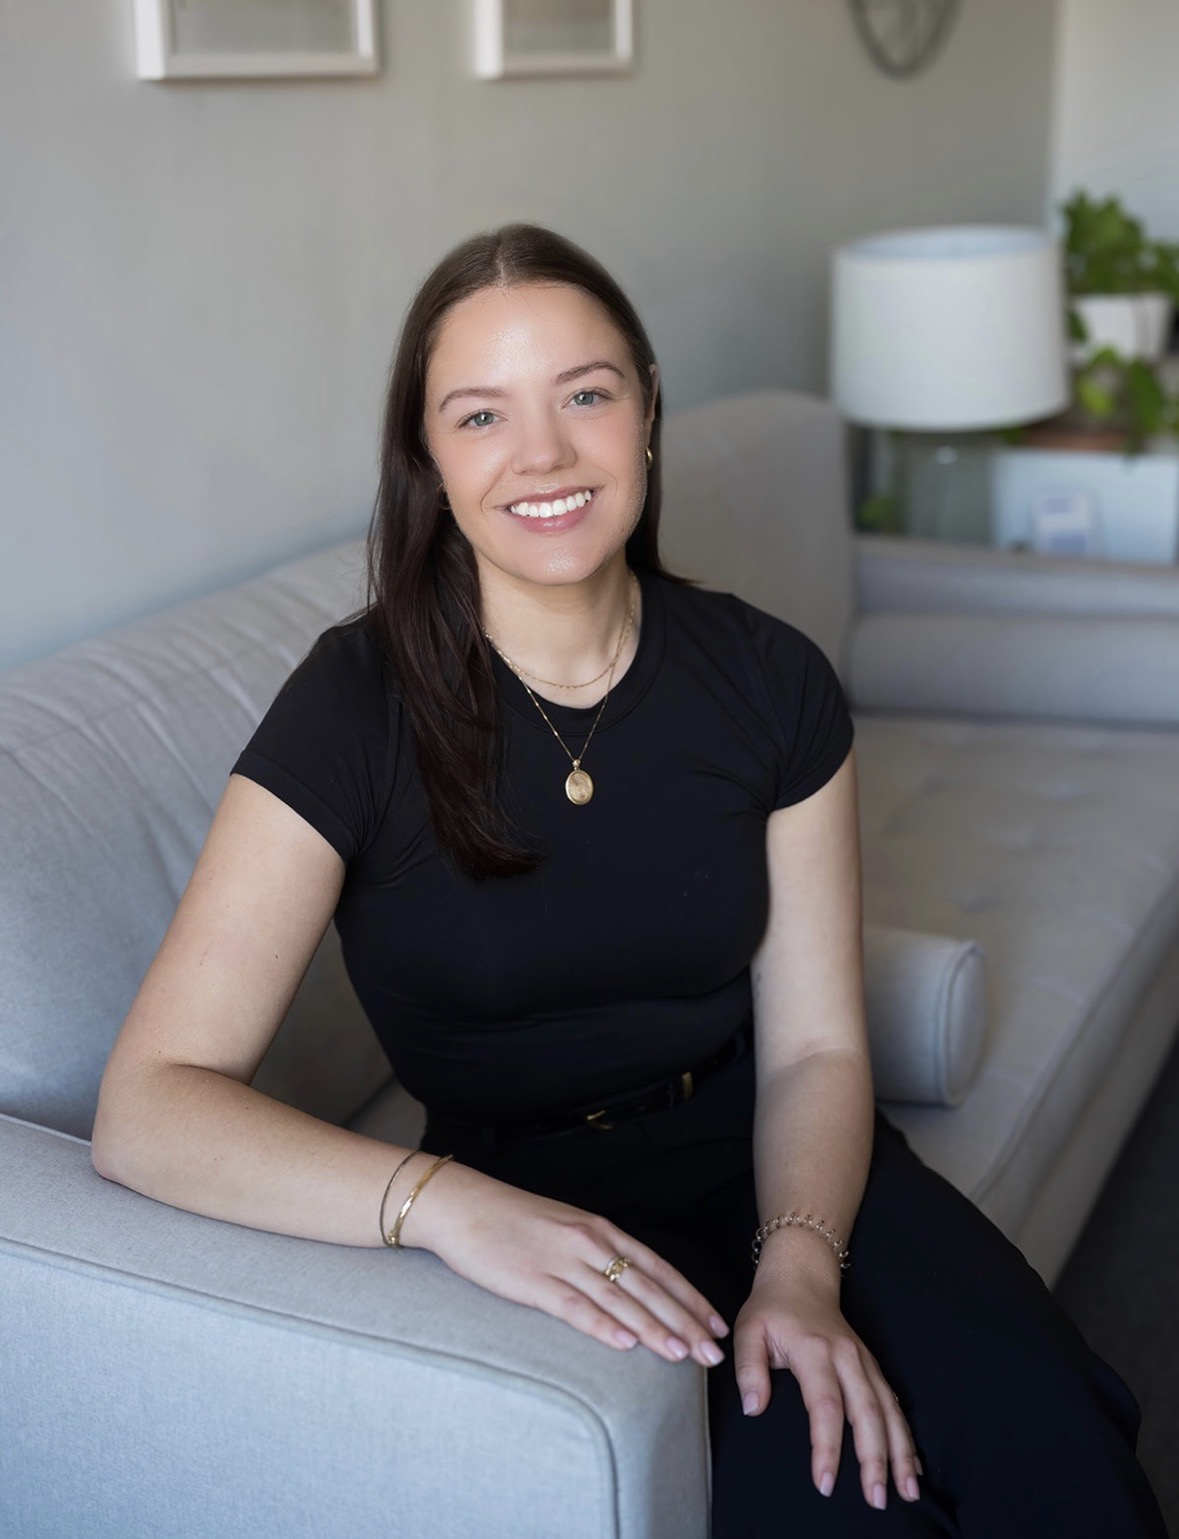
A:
[587,368]
[489,392]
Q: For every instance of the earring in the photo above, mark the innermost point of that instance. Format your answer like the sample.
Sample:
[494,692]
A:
[650,457]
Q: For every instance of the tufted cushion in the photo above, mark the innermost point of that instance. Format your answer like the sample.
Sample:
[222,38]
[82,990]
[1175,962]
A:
[1057,848]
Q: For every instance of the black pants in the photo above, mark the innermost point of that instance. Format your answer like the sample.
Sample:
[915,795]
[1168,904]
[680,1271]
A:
[1021,1429]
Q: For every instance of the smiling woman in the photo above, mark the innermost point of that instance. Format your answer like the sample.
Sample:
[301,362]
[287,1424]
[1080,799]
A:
[545,463]
[629,993]
[524,379]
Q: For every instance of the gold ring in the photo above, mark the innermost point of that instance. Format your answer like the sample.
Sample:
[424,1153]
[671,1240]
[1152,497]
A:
[616,1268]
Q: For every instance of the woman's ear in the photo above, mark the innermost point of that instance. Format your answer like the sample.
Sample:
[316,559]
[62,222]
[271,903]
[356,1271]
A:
[649,415]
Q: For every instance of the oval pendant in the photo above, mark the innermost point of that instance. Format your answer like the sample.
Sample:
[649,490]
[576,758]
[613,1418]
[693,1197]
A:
[579,788]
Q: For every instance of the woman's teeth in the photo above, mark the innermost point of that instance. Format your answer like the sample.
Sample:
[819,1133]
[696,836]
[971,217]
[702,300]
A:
[552,509]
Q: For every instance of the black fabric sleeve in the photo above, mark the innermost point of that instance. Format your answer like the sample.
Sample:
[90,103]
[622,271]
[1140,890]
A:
[325,746]
[809,709]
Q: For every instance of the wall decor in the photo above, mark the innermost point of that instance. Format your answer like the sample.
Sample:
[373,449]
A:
[553,37]
[902,36]
[236,39]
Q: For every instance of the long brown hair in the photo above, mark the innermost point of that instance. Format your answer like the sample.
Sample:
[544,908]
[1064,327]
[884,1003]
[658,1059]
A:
[423,583]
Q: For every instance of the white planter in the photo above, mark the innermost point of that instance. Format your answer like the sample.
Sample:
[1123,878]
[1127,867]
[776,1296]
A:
[1080,503]
[1136,325]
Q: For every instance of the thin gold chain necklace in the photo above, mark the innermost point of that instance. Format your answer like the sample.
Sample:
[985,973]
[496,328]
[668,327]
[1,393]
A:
[579,788]
[519,670]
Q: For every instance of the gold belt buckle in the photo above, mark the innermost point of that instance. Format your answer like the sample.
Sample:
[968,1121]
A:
[594,1120]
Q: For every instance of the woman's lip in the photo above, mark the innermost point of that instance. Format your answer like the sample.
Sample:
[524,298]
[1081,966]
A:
[554,525]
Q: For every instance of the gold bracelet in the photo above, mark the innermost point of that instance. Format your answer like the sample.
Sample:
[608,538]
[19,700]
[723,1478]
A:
[395,1233]
[385,1196]
[801,1221]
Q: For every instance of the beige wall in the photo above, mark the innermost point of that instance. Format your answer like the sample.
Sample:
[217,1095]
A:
[1116,120]
[200,284]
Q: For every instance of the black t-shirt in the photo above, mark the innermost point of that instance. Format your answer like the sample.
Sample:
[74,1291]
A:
[625,957]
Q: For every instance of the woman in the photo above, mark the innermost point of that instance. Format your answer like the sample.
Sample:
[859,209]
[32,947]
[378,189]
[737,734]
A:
[590,839]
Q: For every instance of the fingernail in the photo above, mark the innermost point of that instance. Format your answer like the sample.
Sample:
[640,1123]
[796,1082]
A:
[711,1353]
[749,1402]
[879,1497]
[677,1348]
[827,1484]
[912,1490]
[625,1338]
[717,1326]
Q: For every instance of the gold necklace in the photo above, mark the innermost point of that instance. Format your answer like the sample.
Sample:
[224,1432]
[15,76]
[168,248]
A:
[579,788]
[518,669]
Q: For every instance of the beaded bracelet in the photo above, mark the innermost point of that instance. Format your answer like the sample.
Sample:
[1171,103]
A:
[801,1221]
[393,1238]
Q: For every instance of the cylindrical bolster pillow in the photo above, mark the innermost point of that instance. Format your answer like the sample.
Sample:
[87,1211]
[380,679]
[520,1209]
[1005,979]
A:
[926,998]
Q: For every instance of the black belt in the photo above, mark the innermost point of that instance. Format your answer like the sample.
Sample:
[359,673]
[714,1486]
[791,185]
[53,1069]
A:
[669,1092]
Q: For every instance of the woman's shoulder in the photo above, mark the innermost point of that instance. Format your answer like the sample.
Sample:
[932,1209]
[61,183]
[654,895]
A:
[327,744]
[731,622]
[778,679]
[348,653]
[343,673]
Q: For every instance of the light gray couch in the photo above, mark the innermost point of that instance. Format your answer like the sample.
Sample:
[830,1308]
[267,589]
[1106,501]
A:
[164,1374]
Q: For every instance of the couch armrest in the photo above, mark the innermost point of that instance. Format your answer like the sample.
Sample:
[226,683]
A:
[923,577]
[1121,669]
[165,1373]
[972,631]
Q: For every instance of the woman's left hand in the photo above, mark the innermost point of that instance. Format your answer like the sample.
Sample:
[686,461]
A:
[796,1323]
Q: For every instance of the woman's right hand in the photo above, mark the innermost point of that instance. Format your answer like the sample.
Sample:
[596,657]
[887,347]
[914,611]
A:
[553,1256]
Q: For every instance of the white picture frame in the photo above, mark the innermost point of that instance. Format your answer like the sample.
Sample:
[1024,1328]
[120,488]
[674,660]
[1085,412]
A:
[515,39]
[243,39]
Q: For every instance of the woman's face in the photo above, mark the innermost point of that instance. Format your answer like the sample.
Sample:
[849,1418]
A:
[536,420]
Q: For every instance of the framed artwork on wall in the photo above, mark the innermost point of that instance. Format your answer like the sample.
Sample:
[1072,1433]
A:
[237,39]
[515,38]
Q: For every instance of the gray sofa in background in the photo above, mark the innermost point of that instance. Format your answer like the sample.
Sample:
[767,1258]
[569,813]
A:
[1018,748]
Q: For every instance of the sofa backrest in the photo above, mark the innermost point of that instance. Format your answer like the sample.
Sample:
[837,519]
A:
[113,756]
[755,502]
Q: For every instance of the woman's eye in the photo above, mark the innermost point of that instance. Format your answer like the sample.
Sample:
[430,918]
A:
[587,398]
[479,419]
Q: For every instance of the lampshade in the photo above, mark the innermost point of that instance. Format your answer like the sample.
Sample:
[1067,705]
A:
[954,328]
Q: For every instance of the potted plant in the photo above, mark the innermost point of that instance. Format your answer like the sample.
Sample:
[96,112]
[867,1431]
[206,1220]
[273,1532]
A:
[1123,288]
[1080,482]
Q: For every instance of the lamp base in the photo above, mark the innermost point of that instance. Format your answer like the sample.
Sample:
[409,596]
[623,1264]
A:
[944,485]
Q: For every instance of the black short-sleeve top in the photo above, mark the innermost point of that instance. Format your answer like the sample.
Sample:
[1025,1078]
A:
[625,956]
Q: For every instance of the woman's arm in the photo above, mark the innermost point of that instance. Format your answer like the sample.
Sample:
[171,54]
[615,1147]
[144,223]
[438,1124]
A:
[178,1121]
[813,1140]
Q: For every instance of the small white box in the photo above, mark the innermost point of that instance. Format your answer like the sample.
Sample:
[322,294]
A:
[1132,502]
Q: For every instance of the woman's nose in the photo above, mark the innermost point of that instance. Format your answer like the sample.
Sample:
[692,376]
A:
[541,445]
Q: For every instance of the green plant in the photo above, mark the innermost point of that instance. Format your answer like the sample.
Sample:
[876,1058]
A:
[1107,251]
[1126,393]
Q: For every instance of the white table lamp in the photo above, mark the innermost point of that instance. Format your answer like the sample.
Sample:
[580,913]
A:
[949,330]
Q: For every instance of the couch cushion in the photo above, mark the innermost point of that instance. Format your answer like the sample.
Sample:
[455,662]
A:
[113,755]
[1058,849]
